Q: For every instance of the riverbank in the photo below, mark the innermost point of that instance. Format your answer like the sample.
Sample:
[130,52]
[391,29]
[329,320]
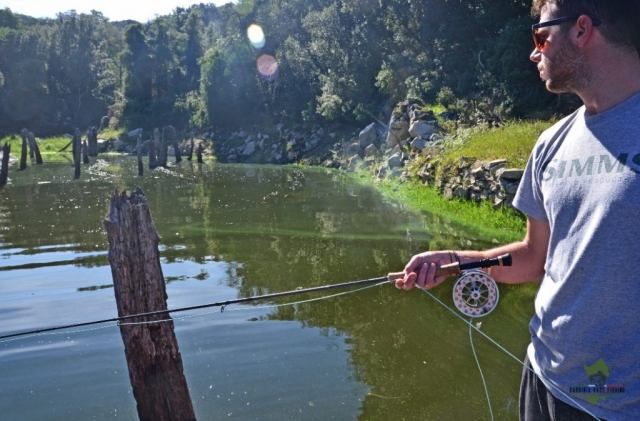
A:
[456,173]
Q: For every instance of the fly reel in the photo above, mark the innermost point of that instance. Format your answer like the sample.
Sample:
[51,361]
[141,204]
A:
[475,293]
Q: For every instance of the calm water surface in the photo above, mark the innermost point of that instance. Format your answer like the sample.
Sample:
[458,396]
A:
[232,231]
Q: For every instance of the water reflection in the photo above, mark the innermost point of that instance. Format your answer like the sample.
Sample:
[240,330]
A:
[236,231]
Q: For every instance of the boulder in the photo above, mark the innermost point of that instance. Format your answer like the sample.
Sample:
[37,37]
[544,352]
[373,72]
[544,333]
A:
[419,144]
[510,174]
[135,133]
[398,131]
[353,162]
[421,129]
[249,149]
[371,150]
[352,149]
[119,146]
[103,145]
[395,161]
[368,135]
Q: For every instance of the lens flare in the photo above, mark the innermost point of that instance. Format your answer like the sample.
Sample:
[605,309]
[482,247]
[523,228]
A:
[256,35]
[267,67]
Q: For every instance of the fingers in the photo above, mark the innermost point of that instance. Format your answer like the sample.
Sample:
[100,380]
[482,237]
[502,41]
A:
[417,274]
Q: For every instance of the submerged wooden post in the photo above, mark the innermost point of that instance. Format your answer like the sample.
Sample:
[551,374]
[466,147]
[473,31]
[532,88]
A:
[153,358]
[4,167]
[199,153]
[85,153]
[163,150]
[33,144]
[92,140]
[190,157]
[23,156]
[153,161]
[76,154]
[139,154]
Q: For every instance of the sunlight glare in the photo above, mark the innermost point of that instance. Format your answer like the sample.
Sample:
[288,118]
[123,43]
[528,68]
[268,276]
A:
[256,35]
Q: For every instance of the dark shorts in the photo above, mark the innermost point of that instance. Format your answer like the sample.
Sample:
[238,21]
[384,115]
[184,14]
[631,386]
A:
[538,404]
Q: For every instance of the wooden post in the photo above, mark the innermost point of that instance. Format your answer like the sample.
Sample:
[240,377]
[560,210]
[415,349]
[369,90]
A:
[85,153]
[162,152]
[4,168]
[153,162]
[92,138]
[190,157]
[23,157]
[153,358]
[176,147]
[199,153]
[33,144]
[77,150]
[139,154]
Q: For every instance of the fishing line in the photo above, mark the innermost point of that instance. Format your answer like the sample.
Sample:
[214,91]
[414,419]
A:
[59,329]
[484,383]
[471,326]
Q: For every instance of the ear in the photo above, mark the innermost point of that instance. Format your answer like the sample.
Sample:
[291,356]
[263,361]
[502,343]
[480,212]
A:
[584,30]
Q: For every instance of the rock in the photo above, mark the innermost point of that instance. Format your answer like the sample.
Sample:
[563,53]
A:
[395,161]
[382,172]
[398,131]
[103,145]
[249,149]
[279,127]
[232,158]
[510,174]
[135,133]
[395,150]
[419,144]
[395,173]
[352,149]
[320,132]
[119,146]
[353,162]
[421,129]
[371,150]
[368,135]
[435,138]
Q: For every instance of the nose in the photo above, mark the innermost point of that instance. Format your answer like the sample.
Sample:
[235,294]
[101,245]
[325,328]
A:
[535,55]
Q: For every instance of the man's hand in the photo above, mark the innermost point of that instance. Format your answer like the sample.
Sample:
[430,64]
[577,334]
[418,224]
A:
[421,270]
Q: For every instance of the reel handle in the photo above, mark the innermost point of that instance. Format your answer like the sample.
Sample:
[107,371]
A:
[457,268]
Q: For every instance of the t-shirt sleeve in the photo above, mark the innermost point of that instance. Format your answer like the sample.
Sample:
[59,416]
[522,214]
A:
[529,198]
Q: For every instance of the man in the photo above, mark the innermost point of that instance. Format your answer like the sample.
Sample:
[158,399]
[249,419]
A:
[581,194]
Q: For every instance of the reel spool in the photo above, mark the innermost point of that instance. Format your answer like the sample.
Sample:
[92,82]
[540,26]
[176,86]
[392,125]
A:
[475,293]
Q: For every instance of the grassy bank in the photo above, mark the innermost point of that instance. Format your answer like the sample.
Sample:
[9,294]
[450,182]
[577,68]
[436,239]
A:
[513,141]
[49,145]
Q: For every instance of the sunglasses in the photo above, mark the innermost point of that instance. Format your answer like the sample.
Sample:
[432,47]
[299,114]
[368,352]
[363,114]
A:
[539,40]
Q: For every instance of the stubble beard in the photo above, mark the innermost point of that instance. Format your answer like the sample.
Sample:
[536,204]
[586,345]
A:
[566,70]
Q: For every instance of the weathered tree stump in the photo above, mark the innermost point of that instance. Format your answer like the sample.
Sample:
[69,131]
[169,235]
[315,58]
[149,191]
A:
[33,144]
[153,161]
[139,154]
[199,153]
[85,153]
[77,150]
[153,358]
[23,156]
[4,167]
[163,150]
[92,138]
[190,157]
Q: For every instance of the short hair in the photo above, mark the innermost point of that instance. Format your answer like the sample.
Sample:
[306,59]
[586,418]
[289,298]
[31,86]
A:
[620,18]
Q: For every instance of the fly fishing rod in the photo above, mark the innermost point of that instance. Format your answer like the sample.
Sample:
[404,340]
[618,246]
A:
[450,269]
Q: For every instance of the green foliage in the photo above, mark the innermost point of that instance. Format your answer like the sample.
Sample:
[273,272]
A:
[335,61]
[8,19]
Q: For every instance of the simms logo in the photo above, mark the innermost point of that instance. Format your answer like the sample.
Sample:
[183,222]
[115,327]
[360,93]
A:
[597,387]
[592,165]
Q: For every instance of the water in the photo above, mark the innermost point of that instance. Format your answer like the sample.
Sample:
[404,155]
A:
[232,231]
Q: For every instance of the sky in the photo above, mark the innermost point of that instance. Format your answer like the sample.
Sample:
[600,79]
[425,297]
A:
[115,10]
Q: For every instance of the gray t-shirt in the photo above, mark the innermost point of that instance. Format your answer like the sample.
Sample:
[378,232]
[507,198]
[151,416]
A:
[583,178]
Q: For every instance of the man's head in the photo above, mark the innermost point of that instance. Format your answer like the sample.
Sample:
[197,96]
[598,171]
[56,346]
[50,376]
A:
[570,31]
[620,18]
